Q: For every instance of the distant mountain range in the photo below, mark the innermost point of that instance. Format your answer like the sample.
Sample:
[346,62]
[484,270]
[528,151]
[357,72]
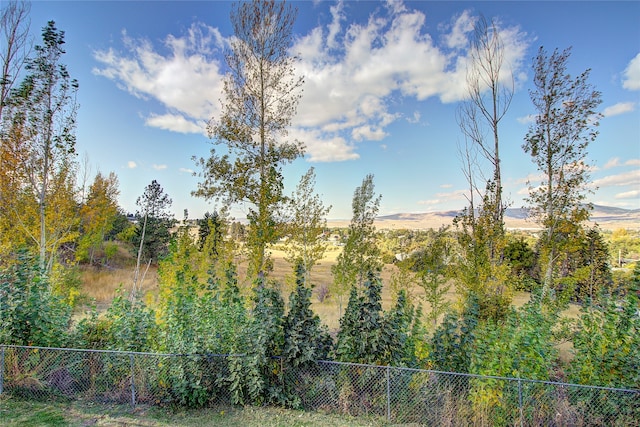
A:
[606,217]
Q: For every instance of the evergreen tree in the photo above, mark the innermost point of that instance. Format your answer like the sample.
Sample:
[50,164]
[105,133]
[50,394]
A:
[210,224]
[305,338]
[154,221]
[360,255]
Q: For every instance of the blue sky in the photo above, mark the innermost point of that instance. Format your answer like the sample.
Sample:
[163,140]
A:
[382,84]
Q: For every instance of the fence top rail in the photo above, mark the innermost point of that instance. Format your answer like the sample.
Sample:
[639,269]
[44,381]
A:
[122,352]
[331,362]
[479,376]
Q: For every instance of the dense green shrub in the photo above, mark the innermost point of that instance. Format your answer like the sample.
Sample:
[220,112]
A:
[31,313]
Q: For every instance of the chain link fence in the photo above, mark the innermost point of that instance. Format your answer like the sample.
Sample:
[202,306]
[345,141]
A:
[395,395]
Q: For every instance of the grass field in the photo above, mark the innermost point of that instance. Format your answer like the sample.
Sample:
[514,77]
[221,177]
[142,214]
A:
[20,413]
[100,285]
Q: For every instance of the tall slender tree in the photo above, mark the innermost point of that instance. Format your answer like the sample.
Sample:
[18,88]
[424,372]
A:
[152,235]
[42,112]
[490,87]
[261,97]
[361,254]
[306,220]
[566,123]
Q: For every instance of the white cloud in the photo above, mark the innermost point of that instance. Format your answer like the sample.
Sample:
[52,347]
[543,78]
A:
[631,78]
[612,163]
[628,194]
[446,186]
[531,118]
[626,178]
[460,28]
[186,170]
[131,164]
[441,198]
[187,80]
[159,167]
[175,123]
[352,71]
[415,118]
[632,162]
[619,108]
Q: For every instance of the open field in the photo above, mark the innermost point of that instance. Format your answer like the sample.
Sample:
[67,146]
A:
[101,285]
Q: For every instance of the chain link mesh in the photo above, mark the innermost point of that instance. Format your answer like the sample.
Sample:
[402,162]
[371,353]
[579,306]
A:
[397,395]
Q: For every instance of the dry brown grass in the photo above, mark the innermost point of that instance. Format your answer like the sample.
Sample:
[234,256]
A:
[100,284]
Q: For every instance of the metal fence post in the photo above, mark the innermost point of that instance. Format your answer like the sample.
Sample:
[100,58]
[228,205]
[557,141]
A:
[133,387]
[388,394]
[2,370]
[520,400]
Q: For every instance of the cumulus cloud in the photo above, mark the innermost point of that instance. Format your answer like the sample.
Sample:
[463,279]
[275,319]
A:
[187,81]
[461,27]
[628,194]
[159,167]
[175,123]
[352,71]
[186,170]
[131,164]
[622,179]
[631,78]
[619,108]
[355,73]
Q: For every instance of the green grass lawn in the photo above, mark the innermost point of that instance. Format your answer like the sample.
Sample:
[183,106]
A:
[17,412]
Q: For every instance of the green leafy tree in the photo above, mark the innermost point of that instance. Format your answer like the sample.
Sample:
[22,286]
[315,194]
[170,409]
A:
[39,119]
[360,336]
[523,346]
[261,97]
[522,260]
[432,265]
[211,224]
[131,324]
[566,122]
[452,344]
[479,269]
[98,215]
[306,221]
[606,343]
[397,337]
[360,255]
[30,313]
[253,378]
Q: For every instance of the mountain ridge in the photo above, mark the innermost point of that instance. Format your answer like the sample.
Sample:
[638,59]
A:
[607,217]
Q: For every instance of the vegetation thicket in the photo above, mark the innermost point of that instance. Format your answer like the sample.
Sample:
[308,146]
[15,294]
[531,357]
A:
[219,292]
